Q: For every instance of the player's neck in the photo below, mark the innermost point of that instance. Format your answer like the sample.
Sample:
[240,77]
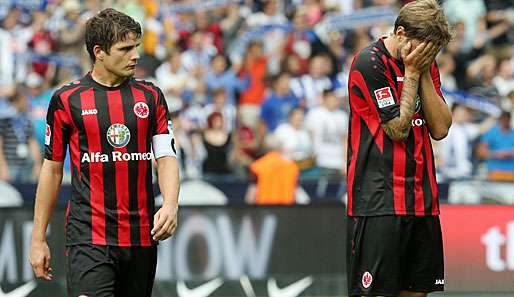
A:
[106,78]
[391,46]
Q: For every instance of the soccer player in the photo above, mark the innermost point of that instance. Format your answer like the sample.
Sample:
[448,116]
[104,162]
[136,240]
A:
[394,235]
[112,123]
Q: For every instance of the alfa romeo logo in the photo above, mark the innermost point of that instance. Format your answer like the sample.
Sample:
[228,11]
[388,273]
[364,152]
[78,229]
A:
[118,135]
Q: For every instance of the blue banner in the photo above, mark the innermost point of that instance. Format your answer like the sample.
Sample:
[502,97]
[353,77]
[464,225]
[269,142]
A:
[200,5]
[360,18]
[474,101]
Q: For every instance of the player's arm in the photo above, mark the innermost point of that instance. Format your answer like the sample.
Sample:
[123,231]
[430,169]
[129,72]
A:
[165,220]
[415,61]
[435,111]
[163,145]
[50,179]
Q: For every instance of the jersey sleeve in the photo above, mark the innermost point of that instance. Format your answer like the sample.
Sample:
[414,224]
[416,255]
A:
[436,79]
[163,142]
[58,130]
[371,81]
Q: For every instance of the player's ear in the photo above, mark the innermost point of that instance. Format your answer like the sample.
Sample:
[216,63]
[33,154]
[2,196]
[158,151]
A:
[400,33]
[99,52]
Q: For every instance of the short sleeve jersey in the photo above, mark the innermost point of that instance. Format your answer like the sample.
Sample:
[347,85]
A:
[387,177]
[109,133]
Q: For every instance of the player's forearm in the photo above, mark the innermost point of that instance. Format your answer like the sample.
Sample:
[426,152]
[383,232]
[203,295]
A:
[398,128]
[168,178]
[34,148]
[435,111]
[46,196]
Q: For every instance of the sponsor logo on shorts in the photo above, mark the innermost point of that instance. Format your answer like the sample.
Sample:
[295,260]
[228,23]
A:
[367,279]
[384,97]
[439,281]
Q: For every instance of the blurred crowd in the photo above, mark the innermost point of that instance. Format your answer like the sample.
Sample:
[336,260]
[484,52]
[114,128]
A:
[247,81]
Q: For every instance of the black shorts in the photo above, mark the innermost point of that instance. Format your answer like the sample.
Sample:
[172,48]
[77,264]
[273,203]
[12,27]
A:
[110,271]
[389,254]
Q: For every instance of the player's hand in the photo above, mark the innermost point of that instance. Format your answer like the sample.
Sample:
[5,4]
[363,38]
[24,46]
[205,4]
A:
[39,258]
[419,59]
[164,222]
[433,54]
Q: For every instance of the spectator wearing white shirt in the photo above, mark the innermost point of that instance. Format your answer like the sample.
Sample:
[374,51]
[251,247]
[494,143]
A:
[296,139]
[173,80]
[199,54]
[309,87]
[504,79]
[328,126]
[456,149]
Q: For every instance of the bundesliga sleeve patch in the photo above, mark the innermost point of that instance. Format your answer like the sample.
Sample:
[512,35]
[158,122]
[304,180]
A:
[384,97]
[48,134]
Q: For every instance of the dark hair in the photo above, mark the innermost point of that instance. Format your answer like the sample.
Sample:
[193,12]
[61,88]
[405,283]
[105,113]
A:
[108,27]
[219,92]
[328,92]
[295,109]
[212,117]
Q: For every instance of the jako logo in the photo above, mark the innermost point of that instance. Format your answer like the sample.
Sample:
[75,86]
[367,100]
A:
[89,111]
[494,242]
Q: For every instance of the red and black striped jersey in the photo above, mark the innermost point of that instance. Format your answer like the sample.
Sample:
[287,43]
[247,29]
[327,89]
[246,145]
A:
[109,132]
[387,177]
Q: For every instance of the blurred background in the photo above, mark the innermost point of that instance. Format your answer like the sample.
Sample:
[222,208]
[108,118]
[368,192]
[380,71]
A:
[257,91]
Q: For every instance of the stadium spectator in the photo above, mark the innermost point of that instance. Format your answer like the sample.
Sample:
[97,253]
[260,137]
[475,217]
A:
[39,99]
[220,104]
[174,80]
[217,144]
[220,77]
[295,139]
[280,102]
[255,65]
[456,159]
[6,61]
[70,38]
[43,46]
[480,74]
[299,41]
[309,87]
[328,126]
[245,149]
[472,13]
[497,148]
[503,81]
[275,175]
[199,53]
[20,157]
[446,68]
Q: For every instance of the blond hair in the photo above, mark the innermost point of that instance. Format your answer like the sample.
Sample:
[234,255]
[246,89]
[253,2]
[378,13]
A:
[424,20]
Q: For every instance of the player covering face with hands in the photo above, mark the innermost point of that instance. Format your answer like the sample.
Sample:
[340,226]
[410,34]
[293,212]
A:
[113,126]
[396,108]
